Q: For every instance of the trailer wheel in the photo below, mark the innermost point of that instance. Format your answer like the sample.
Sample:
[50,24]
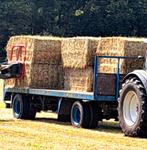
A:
[80,114]
[94,114]
[21,107]
[17,107]
[133,108]
[31,113]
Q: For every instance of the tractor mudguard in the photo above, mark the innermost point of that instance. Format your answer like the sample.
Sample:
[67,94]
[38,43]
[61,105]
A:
[140,74]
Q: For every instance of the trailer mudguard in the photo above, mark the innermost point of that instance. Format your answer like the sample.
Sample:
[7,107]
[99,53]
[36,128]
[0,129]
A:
[141,75]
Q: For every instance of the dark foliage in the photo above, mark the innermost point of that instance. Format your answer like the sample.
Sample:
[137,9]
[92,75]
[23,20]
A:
[72,18]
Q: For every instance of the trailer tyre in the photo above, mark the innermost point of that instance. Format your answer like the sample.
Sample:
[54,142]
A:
[22,108]
[31,113]
[133,108]
[94,114]
[17,107]
[80,114]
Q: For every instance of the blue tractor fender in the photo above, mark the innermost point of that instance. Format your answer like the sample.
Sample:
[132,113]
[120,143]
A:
[140,74]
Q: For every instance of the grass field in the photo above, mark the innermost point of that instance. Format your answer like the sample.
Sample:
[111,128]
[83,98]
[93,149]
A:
[45,133]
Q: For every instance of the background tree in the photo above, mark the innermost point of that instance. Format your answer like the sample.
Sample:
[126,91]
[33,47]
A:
[72,18]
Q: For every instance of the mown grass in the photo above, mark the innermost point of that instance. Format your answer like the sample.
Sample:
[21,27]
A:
[2,105]
[45,132]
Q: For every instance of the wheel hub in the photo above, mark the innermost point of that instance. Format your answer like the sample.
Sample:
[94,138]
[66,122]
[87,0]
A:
[131,108]
[76,115]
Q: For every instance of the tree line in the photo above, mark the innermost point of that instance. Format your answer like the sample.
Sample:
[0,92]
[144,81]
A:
[72,18]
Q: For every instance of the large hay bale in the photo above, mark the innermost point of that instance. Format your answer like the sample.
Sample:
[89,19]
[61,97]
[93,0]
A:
[40,49]
[78,52]
[76,79]
[39,76]
[121,46]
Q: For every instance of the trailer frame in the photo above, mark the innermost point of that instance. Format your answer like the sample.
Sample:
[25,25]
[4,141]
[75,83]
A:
[87,96]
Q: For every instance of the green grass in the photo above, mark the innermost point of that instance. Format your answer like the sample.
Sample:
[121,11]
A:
[45,132]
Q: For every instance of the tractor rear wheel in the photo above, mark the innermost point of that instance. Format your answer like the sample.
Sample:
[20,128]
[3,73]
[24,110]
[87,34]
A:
[132,108]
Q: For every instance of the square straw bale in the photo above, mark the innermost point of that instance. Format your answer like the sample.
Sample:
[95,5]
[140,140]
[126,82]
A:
[40,49]
[78,52]
[76,79]
[39,76]
[121,46]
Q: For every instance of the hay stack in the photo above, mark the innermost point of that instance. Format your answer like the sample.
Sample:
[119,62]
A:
[78,58]
[121,46]
[52,61]
[43,64]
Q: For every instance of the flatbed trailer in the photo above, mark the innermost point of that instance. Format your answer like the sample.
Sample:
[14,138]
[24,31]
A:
[89,96]
[83,109]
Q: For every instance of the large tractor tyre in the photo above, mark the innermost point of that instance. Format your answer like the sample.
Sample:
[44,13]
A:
[132,108]
[80,114]
[22,108]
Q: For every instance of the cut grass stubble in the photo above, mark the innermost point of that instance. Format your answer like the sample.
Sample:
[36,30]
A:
[45,132]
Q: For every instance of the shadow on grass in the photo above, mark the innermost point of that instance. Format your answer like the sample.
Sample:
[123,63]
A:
[51,120]
[109,126]
[105,126]
[2,120]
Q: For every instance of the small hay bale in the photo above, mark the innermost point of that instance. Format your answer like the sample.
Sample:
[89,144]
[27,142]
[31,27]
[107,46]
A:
[121,46]
[78,52]
[76,79]
[40,49]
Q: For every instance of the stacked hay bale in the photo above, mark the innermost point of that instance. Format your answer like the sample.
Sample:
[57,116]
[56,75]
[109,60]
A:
[121,46]
[78,58]
[43,67]
[68,63]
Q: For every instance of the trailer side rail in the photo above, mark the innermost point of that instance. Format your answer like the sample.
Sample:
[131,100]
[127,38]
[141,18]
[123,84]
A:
[117,74]
[54,93]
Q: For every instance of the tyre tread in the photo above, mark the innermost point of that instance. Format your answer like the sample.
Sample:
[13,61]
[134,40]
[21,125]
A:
[141,130]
